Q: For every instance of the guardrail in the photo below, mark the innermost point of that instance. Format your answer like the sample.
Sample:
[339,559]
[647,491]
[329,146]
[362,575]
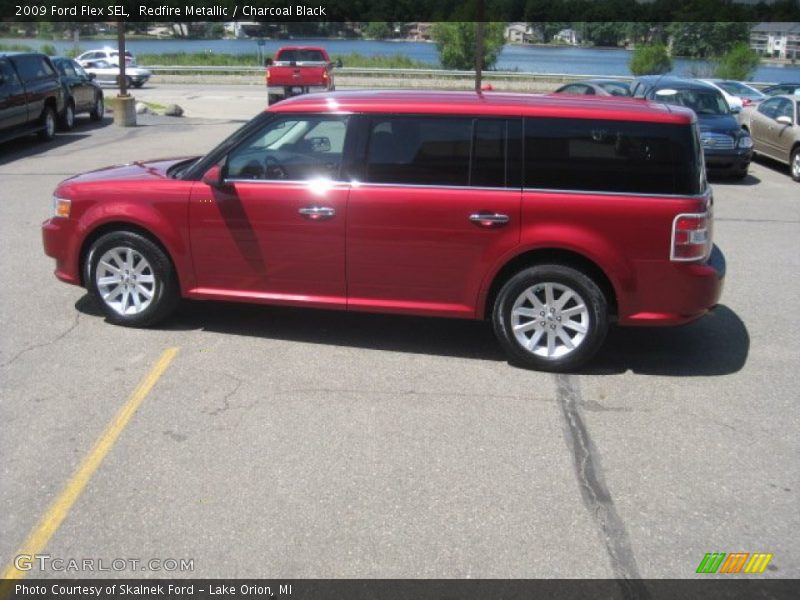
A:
[403,73]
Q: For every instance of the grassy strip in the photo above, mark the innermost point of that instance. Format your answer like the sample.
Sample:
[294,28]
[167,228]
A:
[210,59]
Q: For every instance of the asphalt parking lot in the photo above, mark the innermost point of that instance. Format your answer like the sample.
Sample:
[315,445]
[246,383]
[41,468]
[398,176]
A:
[295,443]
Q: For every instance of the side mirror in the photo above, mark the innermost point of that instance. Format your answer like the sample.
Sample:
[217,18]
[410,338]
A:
[784,120]
[268,61]
[735,110]
[215,176]
[92,75]
[339,64]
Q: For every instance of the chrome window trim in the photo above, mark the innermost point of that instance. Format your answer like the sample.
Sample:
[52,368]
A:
[362,184]
[299,182]
[625,194]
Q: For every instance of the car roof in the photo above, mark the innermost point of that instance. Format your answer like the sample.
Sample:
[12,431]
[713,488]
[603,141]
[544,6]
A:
[675,82]
[489,104]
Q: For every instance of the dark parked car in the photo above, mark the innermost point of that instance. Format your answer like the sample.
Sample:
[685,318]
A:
[782,88]
[81,93]
[597,87]
[31,97]
[727,147]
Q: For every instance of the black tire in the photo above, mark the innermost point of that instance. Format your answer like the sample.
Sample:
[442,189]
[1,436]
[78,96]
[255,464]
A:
[137,84]
[535,281]
[68,116]
[48,130]
[272,99]
[165,293]
[739,175]
[96,114]
[794,164]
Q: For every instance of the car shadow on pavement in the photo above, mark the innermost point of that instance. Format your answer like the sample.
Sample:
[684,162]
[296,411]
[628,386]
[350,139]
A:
[717,344]
[749,180]
[31,145]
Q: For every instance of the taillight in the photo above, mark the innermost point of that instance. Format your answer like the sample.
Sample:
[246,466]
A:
[746,102]
[324,76]
[691,237]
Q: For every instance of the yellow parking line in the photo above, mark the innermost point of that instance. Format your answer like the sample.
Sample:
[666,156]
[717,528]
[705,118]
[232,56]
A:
[58,510]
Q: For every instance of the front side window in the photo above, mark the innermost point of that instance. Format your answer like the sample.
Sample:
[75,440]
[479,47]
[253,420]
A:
[769,108]
[66,69]
[292,148]
[611,156]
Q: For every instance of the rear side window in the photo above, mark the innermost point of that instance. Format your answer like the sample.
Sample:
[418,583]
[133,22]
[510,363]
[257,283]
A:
[8,78]
[33,67]
[444,151]
[611,156]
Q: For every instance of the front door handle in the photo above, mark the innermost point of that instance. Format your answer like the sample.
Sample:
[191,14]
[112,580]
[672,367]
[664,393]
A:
[483,219]
[317,213]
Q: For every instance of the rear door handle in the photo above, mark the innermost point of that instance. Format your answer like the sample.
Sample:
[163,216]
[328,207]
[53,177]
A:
[489,219]
[317,213]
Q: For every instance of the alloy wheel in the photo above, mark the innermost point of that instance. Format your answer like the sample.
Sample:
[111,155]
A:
[550,320]
[125,280]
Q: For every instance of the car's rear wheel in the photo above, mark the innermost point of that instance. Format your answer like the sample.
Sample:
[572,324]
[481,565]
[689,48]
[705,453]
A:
[794,164]
[48,130]
[99,109]
[551,318]
[68,118]
[132,278]
[138,84]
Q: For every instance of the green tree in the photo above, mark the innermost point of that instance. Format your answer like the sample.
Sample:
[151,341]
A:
[606,33]
[738,63]
[651,59]
[378,30]
[706,40]
[456,43]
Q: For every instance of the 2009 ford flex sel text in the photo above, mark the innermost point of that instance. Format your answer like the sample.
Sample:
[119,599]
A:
[551,216]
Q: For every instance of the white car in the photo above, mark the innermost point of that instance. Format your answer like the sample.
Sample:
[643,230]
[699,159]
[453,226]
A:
[110,55]
[737,93]
[107,73]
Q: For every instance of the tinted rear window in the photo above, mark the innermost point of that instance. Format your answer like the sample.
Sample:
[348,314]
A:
[611,156]
[301,56]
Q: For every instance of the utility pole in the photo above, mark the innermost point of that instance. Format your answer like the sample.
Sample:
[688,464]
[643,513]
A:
[124,103]
[479,35]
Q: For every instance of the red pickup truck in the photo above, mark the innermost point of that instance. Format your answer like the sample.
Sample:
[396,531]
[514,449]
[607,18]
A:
[299,70]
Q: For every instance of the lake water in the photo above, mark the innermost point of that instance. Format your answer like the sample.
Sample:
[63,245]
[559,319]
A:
[529,59]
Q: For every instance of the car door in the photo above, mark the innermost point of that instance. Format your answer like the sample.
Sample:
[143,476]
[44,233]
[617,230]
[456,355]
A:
[760,122]
[13,111]
[782,134]
[436,204]
[275,229]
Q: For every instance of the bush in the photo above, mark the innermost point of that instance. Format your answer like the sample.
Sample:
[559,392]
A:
[650,60]
[738,63]
[49,49]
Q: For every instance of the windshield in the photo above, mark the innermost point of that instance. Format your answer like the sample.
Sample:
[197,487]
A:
[703,102]
[739,89]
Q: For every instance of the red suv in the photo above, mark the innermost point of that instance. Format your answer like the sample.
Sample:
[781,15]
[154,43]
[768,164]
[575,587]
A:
[551,216]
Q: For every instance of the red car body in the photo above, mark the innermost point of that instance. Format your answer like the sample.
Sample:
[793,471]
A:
[399,248]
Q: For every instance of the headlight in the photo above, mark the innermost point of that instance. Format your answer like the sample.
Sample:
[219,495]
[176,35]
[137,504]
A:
[61,207]
[745,142]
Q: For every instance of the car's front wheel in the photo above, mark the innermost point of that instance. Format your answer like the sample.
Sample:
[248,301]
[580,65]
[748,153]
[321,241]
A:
[99,109]
[48,130]
[132,278]
[551,318]
[68,118]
